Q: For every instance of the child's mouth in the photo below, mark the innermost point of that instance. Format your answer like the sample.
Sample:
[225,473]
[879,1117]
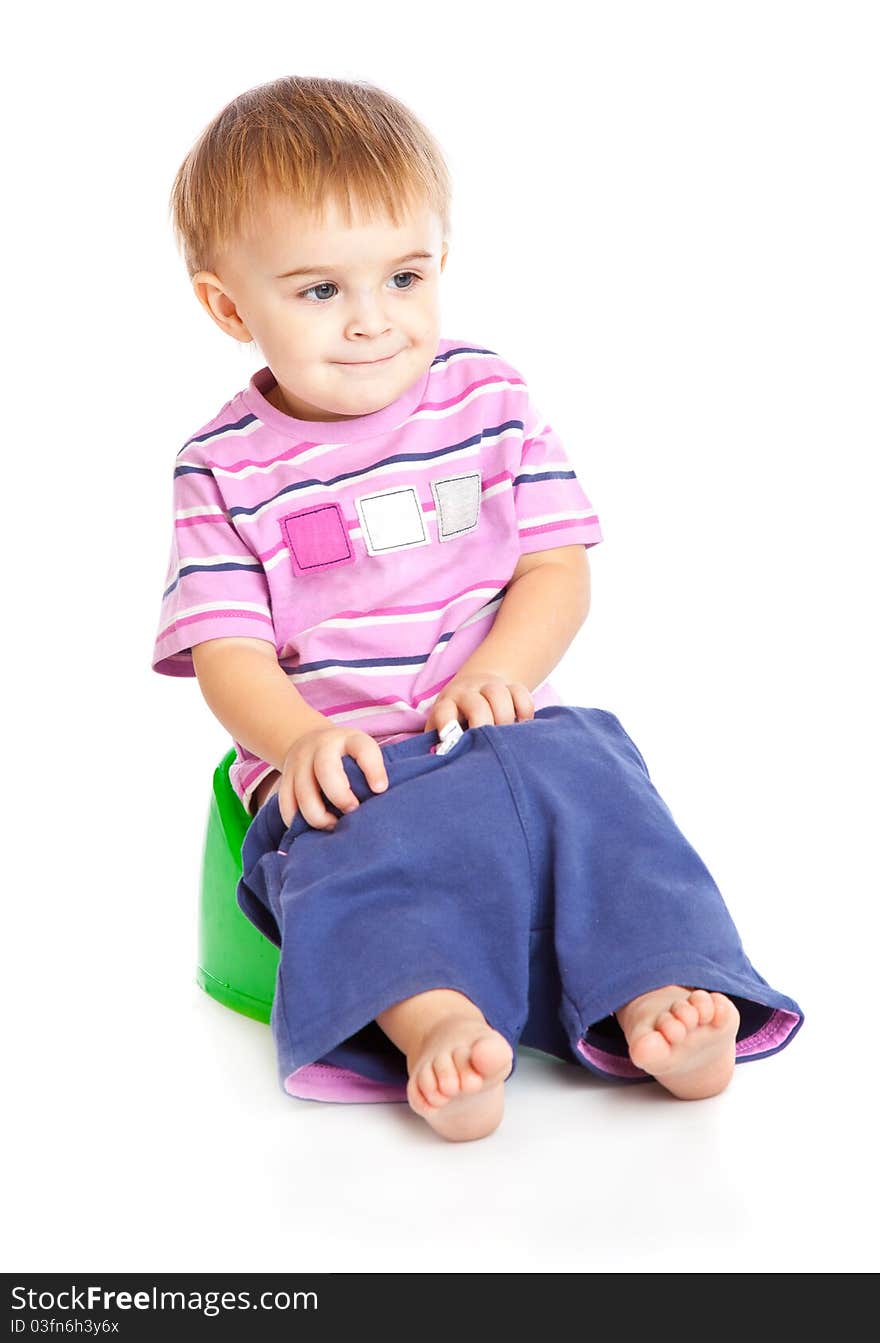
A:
[375,363]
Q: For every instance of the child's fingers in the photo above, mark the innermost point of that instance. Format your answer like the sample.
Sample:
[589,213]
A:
[333,780]
[502,704]
[475,707]
[310,799]
[511,702]
[524,705]
[484,708]
[367,752]
[286,805]
[443,710]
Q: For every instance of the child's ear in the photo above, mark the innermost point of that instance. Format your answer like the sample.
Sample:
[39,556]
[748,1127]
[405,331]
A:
[444,255]
[219,304]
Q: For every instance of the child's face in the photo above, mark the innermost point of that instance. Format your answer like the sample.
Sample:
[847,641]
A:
[320,331]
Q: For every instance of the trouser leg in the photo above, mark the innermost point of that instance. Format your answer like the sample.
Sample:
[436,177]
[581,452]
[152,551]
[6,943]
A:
[427,885]
[634,907]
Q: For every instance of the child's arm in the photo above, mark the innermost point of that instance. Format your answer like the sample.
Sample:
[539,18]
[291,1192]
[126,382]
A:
[545,605]
[542,611]
[248,691]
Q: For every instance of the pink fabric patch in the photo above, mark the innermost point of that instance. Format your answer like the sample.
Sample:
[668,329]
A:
[323,1082]
[317,538]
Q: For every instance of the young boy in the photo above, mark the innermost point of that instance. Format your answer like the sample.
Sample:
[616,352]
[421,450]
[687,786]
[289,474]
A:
[376,540]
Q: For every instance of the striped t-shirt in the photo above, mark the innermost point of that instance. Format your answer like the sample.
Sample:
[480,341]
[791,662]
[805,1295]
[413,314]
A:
[374,552]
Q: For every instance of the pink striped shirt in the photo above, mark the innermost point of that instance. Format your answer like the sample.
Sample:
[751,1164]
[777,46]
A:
[375,552]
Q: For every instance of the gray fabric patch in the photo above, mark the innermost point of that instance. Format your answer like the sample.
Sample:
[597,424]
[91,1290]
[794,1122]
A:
[457,499]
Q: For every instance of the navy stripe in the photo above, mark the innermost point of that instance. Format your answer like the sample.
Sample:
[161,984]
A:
[363,662]
[462,349]
[192,470]
[223,429]
[407,457]
[211,569]
[543,475]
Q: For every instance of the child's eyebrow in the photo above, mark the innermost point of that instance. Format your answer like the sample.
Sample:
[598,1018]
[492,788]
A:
[319,269]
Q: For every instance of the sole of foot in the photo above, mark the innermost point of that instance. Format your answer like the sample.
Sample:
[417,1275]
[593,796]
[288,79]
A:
[456,1083]
[685,1038]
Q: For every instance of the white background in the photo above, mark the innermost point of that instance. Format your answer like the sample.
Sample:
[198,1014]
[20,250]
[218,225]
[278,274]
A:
[665,214]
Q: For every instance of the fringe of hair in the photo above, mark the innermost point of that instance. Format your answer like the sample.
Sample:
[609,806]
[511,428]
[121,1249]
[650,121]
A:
[314,141]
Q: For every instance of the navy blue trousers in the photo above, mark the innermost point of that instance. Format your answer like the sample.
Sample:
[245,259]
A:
[534,868]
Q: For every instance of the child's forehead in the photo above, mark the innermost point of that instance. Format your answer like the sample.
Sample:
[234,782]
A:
[283,231]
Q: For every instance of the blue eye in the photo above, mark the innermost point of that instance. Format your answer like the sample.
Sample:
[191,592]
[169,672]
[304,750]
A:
[328,284]
[325,285]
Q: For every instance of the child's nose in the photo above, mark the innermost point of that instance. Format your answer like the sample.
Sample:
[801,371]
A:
[368,317]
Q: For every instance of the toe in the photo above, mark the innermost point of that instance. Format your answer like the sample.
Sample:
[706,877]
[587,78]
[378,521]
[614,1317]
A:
[702,1001]
[686,1013]
[426,1081]
[469,1079]
[416,1098]
[726,1015]
[491,1054]
[447,1075]
[649,1050]
[671,1028]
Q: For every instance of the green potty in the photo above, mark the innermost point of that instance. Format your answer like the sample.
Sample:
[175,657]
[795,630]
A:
[237,964]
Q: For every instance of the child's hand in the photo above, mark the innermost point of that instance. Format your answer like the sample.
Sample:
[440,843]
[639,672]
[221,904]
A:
[314,763]
[481,699]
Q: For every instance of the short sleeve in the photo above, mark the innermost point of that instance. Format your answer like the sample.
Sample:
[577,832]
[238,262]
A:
[552,508]
[216,587]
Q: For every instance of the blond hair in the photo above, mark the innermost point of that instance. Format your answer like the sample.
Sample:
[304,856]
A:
[311,140]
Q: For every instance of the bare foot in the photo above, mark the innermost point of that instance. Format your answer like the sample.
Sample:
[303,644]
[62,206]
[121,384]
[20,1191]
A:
[457,1074]
[685,1038]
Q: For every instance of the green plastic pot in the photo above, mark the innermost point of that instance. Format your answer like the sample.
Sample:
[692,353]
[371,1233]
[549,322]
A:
[237,964]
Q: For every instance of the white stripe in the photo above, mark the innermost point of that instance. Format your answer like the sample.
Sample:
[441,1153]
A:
[214,509]
[500,487]
[243,431]
[283,554]
[479,615]
[542,518]
[208,560]
[369,712]
[486,390]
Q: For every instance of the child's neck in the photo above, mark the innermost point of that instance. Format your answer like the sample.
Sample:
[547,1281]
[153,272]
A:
[275,397]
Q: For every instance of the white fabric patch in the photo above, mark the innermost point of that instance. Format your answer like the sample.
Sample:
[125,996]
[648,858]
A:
[457,499]
[392,520]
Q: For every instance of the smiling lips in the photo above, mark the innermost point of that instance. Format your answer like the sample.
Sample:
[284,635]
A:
[369,363]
